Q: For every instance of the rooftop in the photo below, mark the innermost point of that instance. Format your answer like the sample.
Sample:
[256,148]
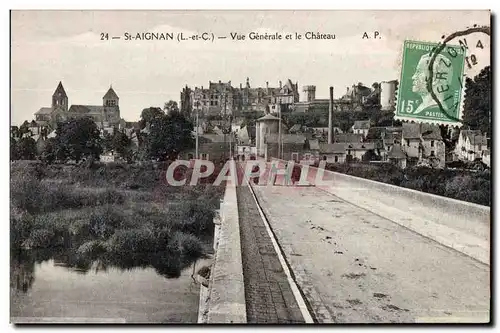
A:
[361,124]
[285,138]
[332,148]
[268,117]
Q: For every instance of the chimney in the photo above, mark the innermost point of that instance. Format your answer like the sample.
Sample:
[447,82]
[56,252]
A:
[280,85]
[241,86]
[267,84]
[219,81]
[330,118]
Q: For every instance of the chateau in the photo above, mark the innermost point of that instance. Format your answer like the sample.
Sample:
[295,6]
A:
[105,115]
[223,99]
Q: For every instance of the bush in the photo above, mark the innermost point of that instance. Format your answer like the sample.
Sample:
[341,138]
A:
[185,244]
[42,238]
[26,191]
[204,272]
[194,217]
[91,249]
[21,224]
[136,241]
[60,196]
[103,224]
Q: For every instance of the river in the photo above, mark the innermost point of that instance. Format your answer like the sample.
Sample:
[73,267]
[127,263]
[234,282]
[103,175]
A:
[45,288]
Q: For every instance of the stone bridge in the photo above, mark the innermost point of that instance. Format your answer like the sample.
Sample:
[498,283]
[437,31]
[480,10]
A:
[333,248]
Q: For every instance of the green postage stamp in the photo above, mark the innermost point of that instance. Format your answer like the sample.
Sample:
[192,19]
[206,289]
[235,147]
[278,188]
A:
[431,94]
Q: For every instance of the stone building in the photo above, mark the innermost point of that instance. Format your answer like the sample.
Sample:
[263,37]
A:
[264,126]
[470,145]
[423,143]
[212,147]
[333,152]
[221,98]
[294,147]
[361,127]
[105,115]
[312,104]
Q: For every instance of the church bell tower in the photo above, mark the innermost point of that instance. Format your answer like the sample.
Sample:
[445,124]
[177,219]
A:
[59,98]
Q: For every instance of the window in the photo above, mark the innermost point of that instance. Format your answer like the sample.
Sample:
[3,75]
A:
[432,143]
[204,156]
[295,156]
[307,157]
[324,157]
[432,153]
[336,159]
[407,142]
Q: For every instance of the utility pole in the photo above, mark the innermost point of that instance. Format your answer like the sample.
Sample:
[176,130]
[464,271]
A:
[197,126]
[224,123]
[280,144]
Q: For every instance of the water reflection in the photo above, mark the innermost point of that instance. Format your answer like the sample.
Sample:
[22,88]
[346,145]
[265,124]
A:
[22,263]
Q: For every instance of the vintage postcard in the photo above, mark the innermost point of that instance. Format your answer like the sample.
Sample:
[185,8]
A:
[255,167]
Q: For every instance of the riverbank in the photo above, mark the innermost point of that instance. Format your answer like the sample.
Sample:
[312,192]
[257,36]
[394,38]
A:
[83,220]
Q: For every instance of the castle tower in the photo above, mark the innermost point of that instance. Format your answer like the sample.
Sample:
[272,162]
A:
[268,124]
[110,98]
[310,92]
[59,98]
[388,95]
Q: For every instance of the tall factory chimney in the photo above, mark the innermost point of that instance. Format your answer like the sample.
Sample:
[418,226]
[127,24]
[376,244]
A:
[330,118]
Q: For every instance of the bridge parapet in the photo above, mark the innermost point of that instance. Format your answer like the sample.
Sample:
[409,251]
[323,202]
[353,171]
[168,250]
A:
[457,224]
[226,288]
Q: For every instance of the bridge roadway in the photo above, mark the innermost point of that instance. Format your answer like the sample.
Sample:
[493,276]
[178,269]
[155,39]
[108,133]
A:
[351,265]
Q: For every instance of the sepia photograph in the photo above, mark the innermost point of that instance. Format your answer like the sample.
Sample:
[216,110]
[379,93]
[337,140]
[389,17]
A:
[250,167]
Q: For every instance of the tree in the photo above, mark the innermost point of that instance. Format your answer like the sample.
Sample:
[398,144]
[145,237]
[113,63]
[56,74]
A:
[171,106]
[370,155]
[26,149]
[13,149]
[121,144]
[250,118]
[107,141]
[14,132]
[24,128]
[148,114]
[477,103]
[49,152]
[169,135]
[78,138]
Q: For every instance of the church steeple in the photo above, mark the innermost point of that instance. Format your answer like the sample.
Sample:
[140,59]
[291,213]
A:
[110,98]
[59,98]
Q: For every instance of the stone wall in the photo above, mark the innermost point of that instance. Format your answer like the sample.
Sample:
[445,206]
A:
[226,290]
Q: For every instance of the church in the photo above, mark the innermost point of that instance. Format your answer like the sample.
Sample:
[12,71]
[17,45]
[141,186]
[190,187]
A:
[105,116]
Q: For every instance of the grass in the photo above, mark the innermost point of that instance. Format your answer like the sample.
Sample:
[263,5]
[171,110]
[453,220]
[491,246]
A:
[88,212]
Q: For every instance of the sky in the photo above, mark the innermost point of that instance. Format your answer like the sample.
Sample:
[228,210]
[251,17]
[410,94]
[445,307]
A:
[52,46]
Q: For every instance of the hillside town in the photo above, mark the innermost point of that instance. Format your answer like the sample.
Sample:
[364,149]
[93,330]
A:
[281,121]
